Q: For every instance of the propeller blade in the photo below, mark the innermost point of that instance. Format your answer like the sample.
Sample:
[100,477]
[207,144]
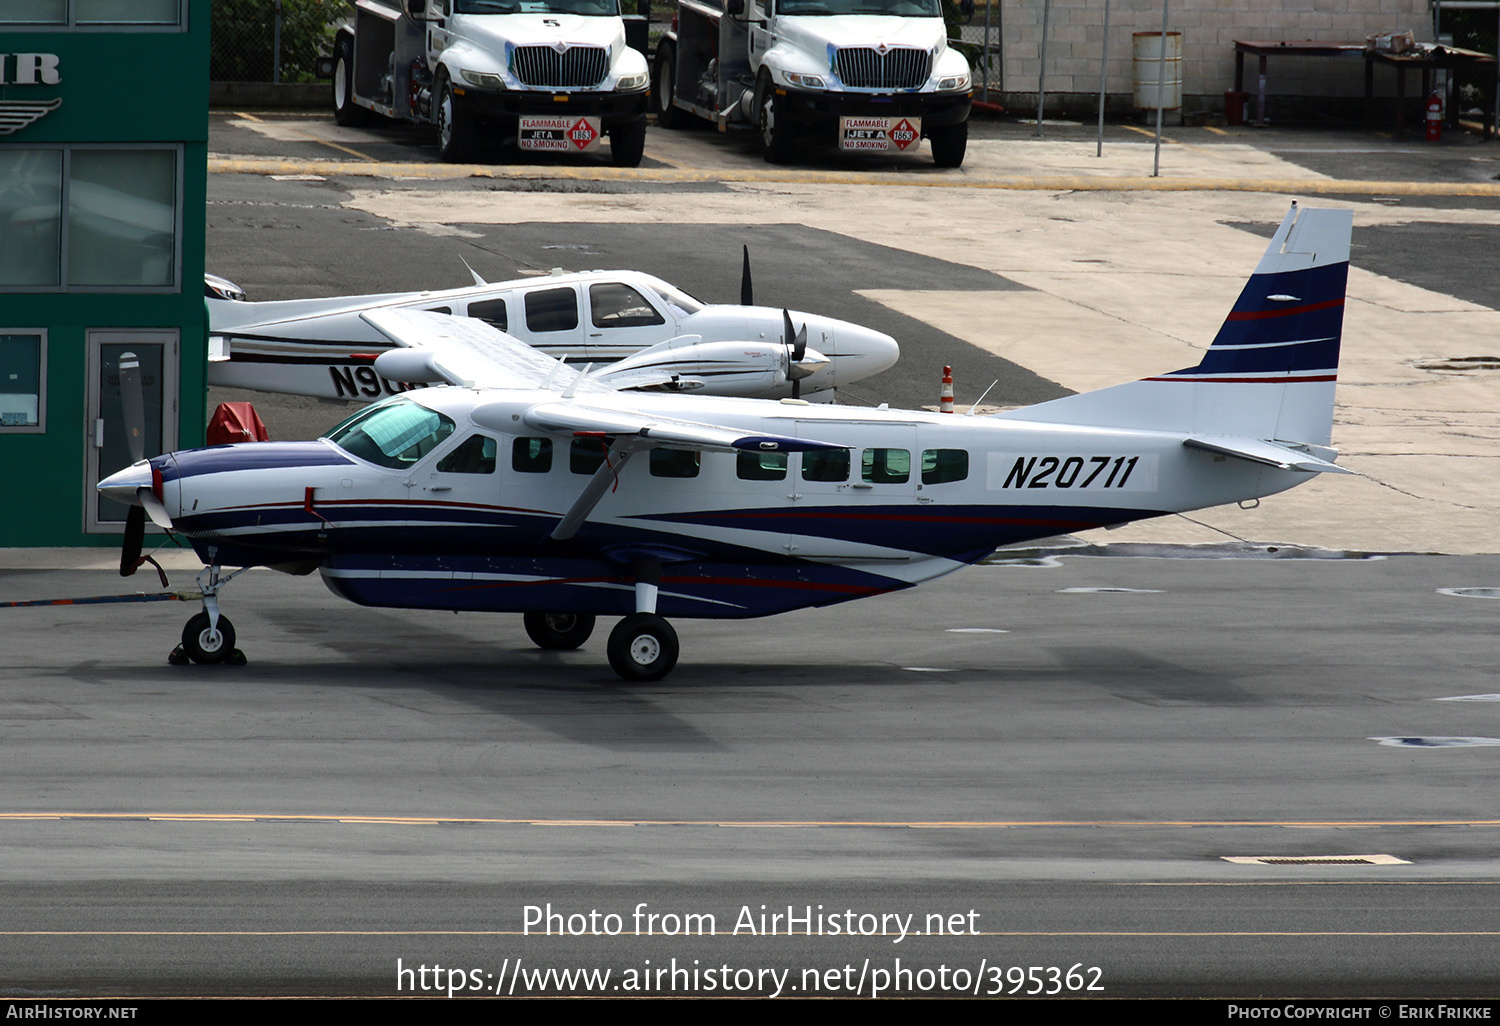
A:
[133,406]
[135,536]
[747,294]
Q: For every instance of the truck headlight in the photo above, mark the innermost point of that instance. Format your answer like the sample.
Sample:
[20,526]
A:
[953,82]
[629,83]
[482,79]
[805,81]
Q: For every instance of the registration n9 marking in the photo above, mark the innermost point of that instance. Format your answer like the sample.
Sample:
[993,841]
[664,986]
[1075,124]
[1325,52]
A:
[1129,472]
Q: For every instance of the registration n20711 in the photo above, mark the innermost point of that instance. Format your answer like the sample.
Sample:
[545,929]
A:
[1131,472]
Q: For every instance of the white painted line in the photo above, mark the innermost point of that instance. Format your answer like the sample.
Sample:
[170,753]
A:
[1436,742]
[1103,591]
[976,630]
[1311,860]
[1488,593]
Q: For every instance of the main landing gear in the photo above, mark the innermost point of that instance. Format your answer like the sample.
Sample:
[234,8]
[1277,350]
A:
[642,647]
[209,637]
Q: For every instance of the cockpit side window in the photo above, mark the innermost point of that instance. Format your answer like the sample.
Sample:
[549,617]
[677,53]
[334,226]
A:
[393,435]
[617,305]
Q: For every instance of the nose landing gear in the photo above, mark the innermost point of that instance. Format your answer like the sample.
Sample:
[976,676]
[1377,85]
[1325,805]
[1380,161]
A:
[209,637]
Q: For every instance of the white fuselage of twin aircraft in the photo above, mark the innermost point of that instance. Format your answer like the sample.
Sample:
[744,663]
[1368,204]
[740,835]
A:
[632,330]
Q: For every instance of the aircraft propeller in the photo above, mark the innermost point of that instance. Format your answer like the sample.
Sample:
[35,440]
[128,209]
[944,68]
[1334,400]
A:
[796,344]
[747,294]
[133,409]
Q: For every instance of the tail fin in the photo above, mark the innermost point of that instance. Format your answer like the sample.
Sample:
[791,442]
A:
[1270,371]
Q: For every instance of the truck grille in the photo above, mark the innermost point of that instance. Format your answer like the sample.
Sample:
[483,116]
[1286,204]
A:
[900,68]
[577,66]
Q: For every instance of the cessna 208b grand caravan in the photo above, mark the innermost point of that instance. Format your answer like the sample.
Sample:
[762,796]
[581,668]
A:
[632,330]
[528,487]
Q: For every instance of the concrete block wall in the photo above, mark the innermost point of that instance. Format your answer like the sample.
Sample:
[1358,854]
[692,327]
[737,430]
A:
[1076,29]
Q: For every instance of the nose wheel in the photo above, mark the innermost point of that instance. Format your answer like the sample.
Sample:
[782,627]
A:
[208,638]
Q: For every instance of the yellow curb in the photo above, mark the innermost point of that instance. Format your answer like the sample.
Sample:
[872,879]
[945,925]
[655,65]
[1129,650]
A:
[914,179]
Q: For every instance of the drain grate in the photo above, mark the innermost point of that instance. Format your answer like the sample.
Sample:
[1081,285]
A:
[1459,363]
[1437,742]
[1315,860]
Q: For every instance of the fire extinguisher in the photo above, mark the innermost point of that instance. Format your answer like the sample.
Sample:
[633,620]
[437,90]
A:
[1434,117]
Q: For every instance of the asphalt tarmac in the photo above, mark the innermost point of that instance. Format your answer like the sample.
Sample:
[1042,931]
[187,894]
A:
[1037,769]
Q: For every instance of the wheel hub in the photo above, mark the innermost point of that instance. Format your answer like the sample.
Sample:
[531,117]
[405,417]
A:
[645,649]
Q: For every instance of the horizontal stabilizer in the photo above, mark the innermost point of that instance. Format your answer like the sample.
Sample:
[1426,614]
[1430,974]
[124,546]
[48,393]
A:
[1273,454]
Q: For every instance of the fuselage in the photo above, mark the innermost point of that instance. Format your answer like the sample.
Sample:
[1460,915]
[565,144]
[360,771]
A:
[460,516]
[320,347]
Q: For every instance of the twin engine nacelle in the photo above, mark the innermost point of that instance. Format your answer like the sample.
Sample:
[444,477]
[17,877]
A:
[713,368]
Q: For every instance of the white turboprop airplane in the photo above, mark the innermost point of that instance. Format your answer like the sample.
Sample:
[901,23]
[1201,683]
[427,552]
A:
[632,330]
[528,487]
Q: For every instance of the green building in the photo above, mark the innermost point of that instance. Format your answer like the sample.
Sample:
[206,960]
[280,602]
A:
[103,165]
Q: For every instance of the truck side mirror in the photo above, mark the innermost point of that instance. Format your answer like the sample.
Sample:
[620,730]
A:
[416,9]
[734,8]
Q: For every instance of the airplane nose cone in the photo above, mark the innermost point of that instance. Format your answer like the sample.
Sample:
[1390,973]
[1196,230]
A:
[121,486]
[876,351]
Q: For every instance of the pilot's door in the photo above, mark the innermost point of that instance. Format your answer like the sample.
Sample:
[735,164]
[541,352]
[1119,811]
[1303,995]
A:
[108,447]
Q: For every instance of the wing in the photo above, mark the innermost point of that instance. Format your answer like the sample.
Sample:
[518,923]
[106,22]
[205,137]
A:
[636,429]
[464,351]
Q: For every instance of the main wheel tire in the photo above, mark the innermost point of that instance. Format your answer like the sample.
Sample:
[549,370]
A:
[627,143]
[207,646]
[662,84]
[559,631]
[949,142]
[345,111]
[455,126]
[776,134]
[642,647]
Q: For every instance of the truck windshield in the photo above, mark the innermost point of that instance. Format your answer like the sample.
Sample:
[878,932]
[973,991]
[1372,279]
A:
[596,8]
[895,8]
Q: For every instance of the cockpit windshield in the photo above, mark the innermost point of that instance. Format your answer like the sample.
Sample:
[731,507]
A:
[681,303]
[396,433]
[595,8]
[895,8]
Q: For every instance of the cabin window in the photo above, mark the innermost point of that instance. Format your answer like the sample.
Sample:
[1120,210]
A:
[491,312]
[552,310]
[675,463]
[942,466]
[531,455]
[392,435]
[474,455]
[617,305]
[886,466]
[825,465]
[762,466]
[586,454]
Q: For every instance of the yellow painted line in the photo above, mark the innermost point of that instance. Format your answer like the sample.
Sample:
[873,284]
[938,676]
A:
[1215,131]
[248,117]
[916,179]
[1149,133]
[242,817]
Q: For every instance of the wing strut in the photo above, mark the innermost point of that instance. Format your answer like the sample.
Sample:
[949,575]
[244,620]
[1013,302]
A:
[619,454]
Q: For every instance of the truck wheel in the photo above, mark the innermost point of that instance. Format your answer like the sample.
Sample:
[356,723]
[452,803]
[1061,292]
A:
[345,111]
[627,143]
[667,116]
[775,130]
[455,127]
[949,143]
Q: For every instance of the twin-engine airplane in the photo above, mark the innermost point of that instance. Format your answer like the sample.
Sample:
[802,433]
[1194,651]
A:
[528,487]
[632,330]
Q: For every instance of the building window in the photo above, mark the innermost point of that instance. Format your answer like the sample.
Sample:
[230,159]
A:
[23,372]
[122,229]
[92,14]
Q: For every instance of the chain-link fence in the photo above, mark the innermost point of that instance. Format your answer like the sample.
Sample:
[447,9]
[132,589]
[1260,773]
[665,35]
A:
[271,40]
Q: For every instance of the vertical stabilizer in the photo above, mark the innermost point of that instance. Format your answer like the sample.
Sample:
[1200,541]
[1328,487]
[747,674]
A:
[1270,371]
